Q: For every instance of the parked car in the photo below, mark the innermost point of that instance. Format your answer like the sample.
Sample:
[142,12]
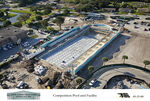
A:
[4,48]
[135,23]
[136,27]
[145,29]
[66,29]
[39,80]
[93,82]
[26,44]
[58,33]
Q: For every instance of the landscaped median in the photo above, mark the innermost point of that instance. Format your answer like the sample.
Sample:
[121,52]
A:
[113,65]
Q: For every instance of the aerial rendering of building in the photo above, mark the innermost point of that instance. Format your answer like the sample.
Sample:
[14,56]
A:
[69,44]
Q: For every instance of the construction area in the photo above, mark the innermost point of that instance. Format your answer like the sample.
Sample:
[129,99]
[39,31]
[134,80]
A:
[81,47]
[137,49]
[126,82]
[32,74]
[51,68]
[70,52]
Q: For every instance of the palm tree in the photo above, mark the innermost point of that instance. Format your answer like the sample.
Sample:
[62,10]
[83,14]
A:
[146,62]
[105,59]
[91,68]
[124,57]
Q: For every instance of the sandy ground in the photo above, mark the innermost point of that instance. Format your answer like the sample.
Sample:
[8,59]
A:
[137,49]
[30,78]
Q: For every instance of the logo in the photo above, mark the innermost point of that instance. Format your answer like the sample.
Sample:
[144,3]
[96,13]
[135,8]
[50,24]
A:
[23,95]
[123,95]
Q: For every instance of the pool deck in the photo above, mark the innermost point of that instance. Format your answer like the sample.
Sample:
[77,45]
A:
[92,50]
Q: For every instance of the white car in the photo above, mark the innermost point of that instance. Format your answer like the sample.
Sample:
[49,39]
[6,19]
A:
[5,49]
[93,82]
[26,44]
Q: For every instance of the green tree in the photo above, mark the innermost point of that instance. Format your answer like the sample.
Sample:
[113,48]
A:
[38,17]
[47,11]
[146,62]
[6,23]
[1,14]
[124,57]
[91,68]
[30,25]
[24,17]
[44,23]
[105,59]
[59,21]
[34,9]
[50,28]
[124,5]
[66,12]
[17,24]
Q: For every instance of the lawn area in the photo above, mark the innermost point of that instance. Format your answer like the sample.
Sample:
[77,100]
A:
[34,36]
[32,17]
[138,13]
[122,13]
[21,11]
[11,15]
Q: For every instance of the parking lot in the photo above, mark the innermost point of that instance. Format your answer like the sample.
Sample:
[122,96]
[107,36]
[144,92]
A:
[4,54]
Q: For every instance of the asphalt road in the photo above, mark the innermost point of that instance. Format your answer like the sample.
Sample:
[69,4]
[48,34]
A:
[104,75]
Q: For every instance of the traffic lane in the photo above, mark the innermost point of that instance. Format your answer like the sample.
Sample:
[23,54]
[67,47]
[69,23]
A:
[104,75]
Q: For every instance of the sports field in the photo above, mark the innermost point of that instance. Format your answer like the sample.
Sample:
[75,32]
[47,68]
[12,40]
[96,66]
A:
[65,55]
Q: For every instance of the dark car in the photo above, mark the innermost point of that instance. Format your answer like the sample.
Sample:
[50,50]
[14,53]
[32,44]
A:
[135,23]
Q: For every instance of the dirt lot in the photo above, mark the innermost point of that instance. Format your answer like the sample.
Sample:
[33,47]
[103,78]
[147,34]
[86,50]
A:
[137,48]
[19,72]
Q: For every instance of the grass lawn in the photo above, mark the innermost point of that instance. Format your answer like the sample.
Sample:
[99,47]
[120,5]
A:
[11,15]
[122,13]
[138,13]
[21,11]
[34,36]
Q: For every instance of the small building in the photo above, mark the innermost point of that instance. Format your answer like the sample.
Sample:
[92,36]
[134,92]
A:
[96,16]
[11,34]
[109,9]
[143,10]
[128,10]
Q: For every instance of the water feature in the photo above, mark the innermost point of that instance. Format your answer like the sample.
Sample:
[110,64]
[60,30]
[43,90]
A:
[13,19]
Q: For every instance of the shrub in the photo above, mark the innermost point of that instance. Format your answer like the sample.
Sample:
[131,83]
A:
[17,24]
[79,81]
